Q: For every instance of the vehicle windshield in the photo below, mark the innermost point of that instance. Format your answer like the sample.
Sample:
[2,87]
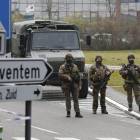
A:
[55,40]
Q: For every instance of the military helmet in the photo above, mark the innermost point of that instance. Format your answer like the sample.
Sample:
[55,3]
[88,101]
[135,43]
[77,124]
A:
[98,56]
[131,56]
[68,56]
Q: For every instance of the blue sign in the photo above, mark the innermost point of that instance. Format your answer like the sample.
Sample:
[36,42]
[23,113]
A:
[5,16]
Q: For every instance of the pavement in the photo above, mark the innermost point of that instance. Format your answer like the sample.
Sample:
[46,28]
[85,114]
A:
[119,100]
[110,67]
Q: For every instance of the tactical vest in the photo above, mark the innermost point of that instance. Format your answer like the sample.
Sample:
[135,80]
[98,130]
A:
[73,70]
[99,73]
[134,71]
[69,69]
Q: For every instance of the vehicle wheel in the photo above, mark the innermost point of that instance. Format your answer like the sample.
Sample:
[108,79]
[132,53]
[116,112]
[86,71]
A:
[84,91]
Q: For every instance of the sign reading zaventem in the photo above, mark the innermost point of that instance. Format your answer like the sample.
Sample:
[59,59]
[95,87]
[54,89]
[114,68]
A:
[24,70]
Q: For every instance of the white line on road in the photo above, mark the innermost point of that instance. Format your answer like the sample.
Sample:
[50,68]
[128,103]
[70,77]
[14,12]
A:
[45,130]
[22,138]
[66,138]
[130,122]
[107,139]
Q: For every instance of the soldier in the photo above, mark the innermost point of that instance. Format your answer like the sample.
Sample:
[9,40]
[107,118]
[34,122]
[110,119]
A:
[97,73]
[130,83]
[69,73]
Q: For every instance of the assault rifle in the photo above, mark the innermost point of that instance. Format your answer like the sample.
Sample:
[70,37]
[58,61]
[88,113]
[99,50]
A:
[71,84]
[105,80]
[130,74]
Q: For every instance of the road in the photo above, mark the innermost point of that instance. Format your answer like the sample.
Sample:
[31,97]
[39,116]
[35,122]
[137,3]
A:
[49,122]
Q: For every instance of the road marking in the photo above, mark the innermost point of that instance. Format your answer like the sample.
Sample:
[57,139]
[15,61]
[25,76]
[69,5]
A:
[107,139]
[137,138]
[44,130]
[130,122]
[22,138]
[66,138]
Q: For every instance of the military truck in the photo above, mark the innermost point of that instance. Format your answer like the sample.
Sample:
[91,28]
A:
[3,53]
[50,40]
[2,40]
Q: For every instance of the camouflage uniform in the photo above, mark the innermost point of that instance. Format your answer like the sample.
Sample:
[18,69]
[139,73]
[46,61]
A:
[130,83]
[96,74]
[64,73]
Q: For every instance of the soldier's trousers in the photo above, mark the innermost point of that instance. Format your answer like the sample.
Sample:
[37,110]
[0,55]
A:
[102,97]
[136,90]
[75,99]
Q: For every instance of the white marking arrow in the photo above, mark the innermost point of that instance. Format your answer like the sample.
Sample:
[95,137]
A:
[22,138]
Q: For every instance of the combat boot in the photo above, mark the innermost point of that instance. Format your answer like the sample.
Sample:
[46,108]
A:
[68,114]
[130,108]
[94,112]
[104,111]
[78,115]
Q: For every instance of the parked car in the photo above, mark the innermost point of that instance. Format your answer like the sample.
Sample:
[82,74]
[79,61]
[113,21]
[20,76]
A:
[107,37]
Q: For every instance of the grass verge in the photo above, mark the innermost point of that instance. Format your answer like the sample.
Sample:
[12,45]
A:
[113,58]
[116,79]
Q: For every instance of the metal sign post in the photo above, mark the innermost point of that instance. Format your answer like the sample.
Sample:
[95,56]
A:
[22,93]
[28,122]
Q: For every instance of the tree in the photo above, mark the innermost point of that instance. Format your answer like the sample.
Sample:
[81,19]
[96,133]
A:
[112,7]
[16,17]
[50,7]
[78,19]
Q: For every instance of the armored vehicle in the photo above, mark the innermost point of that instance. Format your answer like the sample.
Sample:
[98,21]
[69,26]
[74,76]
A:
[50,40]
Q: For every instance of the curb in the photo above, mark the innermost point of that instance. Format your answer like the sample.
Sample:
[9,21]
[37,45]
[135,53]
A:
[119,106]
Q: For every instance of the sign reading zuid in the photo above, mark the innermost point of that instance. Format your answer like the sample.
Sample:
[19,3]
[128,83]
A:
[24,71]
[20,93]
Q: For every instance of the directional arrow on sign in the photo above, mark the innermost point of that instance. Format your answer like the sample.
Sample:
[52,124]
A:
[37,92]
[24,70]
